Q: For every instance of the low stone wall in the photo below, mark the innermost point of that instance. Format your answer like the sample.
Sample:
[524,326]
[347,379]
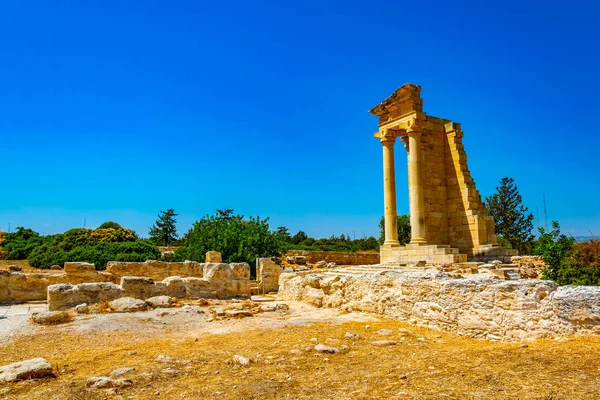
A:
[267,275]
[18,287]
[157,270]
[340,258]
[475,307]
[220,281]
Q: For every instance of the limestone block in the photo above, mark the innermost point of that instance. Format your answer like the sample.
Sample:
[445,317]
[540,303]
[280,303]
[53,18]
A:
[200,288]
[267,275]
[175,286]
[138,287]
[79,268]
[240,270]
[217,271]
[213,257]
[27,369]
[63,296]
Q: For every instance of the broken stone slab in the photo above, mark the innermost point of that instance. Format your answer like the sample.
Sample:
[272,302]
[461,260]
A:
[321,264]
[238,313]
[51,317]
[321,348]
[127,304]
[121,371]
[104,382]
[300,260]
[161,301]
[15,268]
[352,335]
[384,343]
[27,369]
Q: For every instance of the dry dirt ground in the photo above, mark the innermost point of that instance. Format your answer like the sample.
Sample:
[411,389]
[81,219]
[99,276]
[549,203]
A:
[424,364]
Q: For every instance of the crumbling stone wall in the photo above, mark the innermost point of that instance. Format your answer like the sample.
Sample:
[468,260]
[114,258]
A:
[18,287]
[476,307]
[157,270]
[267,275]
[220,281]
[338,257]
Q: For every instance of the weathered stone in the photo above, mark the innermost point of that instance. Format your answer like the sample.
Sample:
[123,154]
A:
[352,335]
[241,360]
[476,307]
[267,275]
[121,371]
[51,317]
[321,348]
[384,343]
[55,267]
[300,260]
[161,301]
[321,264]
[27,369]
[217,272]
[127,304]
[213,257]
[384,332]
[240,270]
[104,382]
[16,268]
[237,313]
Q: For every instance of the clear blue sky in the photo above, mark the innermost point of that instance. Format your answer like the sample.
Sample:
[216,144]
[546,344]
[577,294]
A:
[114,110]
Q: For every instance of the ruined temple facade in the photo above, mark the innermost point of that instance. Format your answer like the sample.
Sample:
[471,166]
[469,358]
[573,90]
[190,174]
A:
[448,219]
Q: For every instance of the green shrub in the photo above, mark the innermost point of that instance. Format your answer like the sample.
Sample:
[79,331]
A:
[237,238]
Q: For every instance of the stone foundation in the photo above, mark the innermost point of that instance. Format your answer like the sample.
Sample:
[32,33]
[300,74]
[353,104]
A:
[475,307]
[18,287]
[157,270]
[221,281]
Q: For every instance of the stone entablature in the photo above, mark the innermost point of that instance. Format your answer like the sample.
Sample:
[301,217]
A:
[479,307]
[445,206]
[220,281]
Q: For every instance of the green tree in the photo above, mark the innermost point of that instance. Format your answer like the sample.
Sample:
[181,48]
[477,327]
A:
[512,220]
[283,234]
[403,229]
[235,237]
[299,237]
[164,231]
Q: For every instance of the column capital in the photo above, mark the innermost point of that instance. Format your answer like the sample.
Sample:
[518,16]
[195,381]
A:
[388,135]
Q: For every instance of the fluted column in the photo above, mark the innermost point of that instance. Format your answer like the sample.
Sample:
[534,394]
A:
[416,199]
[389,191]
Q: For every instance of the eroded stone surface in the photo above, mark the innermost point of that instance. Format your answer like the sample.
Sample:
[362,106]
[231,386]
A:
[476,307]
[27,369]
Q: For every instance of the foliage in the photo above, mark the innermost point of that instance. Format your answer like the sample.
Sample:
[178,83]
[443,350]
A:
[110,224]
[19,244]
[512,221]
[569,263]
[299,237]
[99,253]
[237,238]
[164,231]
[403,229]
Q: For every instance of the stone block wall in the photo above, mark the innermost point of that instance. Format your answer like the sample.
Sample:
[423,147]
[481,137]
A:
[475,307]
[267,275]
[157,270]
[18,287]
[220,281]
[338,257]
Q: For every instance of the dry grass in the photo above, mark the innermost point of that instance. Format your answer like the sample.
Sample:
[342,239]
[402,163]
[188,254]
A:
[442,366]
[24,264]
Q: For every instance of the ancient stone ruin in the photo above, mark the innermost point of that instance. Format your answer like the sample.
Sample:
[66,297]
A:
[448,219]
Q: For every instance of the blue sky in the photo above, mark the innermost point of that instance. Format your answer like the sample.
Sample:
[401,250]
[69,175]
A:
[115,110]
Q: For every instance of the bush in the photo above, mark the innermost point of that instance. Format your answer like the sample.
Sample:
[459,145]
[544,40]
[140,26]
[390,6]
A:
[569,263]
[236,238]
[100,253]
[109,224]
[19,244]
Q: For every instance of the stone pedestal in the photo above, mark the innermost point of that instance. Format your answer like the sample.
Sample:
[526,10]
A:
[414,253]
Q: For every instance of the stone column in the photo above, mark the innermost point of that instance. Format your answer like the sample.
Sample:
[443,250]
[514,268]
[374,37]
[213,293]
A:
[389,191]
[417,206]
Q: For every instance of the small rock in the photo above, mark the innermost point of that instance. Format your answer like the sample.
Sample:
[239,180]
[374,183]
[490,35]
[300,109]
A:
[420,339]
[383,343]
[104,382]
[241,360]
[296,352]
[219,312]
[51,317]
[344,348]
[121,371]
[331,265]
[321,348]
[384,332]
[170,371]
[15,268]
[314,340]
[55,267]
[127,304]
[81,308]
[161,301]
[352,335]
[164,359]
[27,369]
[238,313]
[321,264]
[524,346]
